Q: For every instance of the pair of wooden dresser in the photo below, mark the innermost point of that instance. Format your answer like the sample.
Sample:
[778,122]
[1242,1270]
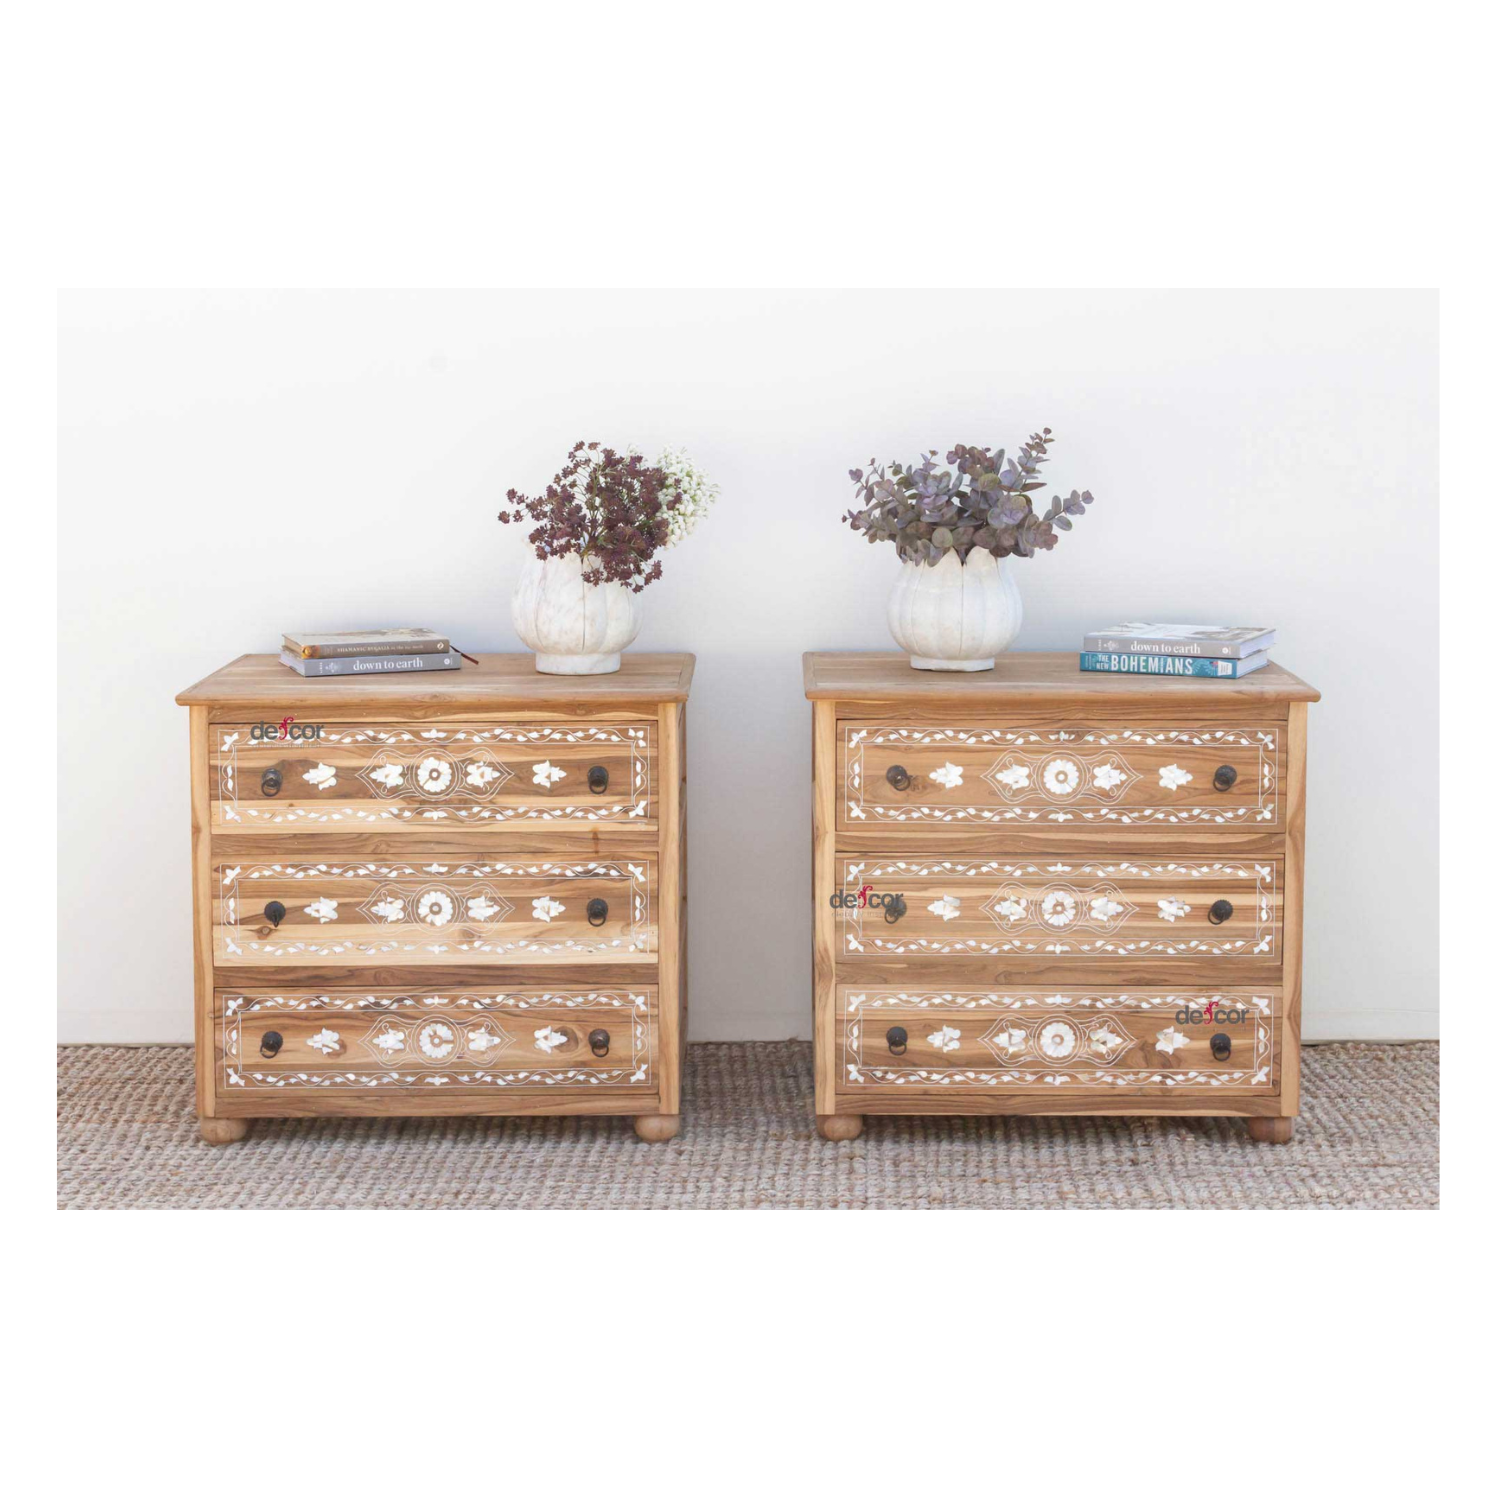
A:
[439,894]
[1044,891]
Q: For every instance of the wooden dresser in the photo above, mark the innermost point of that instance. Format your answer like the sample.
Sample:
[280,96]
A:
[439,894]
[1044,891]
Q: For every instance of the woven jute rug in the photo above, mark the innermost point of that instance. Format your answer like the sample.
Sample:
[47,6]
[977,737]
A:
[1367,1138]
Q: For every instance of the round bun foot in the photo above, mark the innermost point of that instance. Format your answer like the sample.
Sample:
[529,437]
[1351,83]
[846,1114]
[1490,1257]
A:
[220,1132]
[1275,1130]
[657,1127]
[840,1127]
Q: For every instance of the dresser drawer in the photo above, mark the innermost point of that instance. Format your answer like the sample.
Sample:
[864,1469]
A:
[1099,773]
[436,911]
[395,1041]
[928,907]
[429,776]
[1018,1041]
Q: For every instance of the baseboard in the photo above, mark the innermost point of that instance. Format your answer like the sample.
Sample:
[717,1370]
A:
[1370,1026]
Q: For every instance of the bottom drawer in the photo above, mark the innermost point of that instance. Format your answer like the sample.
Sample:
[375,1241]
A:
[1015,1041]
[399,1041]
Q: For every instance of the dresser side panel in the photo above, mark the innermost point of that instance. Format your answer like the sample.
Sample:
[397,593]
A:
[1291,937]
[825,938]
[203,910]
[669,915]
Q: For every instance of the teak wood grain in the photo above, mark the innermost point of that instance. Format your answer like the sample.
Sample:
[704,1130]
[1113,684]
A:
[431,853]
[1032,819]
[1031,679]
[458,775]
[395,1042]
[1086,1042]
[499,681]
[1152,775]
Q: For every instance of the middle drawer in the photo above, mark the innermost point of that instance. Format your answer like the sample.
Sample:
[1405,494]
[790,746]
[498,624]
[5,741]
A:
[924,906]
[441,910]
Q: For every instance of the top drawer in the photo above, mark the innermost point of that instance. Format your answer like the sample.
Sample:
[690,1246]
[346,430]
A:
[303,777]
[1102,772]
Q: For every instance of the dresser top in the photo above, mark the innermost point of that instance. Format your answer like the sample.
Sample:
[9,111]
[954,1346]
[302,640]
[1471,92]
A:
[499,681]
[1033,676]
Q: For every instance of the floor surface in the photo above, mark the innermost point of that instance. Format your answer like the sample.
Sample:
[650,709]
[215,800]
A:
[1367,1138]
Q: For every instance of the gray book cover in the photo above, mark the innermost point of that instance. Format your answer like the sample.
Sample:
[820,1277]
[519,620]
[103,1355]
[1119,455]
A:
[370,666]
[1181,640]
[406,639]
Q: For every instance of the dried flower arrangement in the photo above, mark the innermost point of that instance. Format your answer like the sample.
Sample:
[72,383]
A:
[982,502]
[615,511]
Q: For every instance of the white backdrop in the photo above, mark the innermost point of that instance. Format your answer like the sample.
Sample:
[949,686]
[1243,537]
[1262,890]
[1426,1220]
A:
[233,465]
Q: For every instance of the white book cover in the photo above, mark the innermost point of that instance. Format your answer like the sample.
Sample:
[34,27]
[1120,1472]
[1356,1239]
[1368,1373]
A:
[1142,636]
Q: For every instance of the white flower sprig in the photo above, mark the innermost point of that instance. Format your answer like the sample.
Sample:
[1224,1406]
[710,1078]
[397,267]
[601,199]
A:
[698,493]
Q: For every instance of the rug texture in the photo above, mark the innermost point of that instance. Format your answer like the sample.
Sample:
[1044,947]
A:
[1367,1138]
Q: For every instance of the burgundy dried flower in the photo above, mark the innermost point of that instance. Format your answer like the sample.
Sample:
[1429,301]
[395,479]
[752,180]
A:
[610,508]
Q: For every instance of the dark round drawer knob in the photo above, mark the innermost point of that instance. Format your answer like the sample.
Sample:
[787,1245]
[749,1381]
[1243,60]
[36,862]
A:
[895,1039]
[1224,778]
[270,1044]
[598,911]
[899,777]
[599,1042]
[270,782]
[275,911]
[1219,1045]
[1220,911]
[598,779]
[895,908]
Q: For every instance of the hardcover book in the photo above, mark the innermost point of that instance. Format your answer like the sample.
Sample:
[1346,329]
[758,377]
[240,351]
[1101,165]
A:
[367,666]
[1169,666]
[1182,640]
[407,640]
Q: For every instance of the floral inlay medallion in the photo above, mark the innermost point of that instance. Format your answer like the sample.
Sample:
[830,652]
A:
[1061,776]
[435,908]
[437,1040]
[434,775]
[1057,1040]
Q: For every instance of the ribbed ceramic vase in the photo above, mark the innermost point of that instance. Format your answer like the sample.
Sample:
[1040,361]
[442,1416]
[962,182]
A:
[577,629]
[956,616]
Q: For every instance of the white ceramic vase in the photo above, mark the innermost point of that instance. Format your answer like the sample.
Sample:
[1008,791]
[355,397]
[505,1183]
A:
[956,616]
[576,628]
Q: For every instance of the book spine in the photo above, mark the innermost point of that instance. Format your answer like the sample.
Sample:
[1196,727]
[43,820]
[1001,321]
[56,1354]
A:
[370,666]
[1144,665]
[1161,646]
[363,648]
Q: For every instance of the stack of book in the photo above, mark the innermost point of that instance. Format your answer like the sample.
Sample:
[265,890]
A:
[358,653]
[1177,650]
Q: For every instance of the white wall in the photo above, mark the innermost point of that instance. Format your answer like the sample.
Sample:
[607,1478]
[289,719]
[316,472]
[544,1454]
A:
[234,465]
